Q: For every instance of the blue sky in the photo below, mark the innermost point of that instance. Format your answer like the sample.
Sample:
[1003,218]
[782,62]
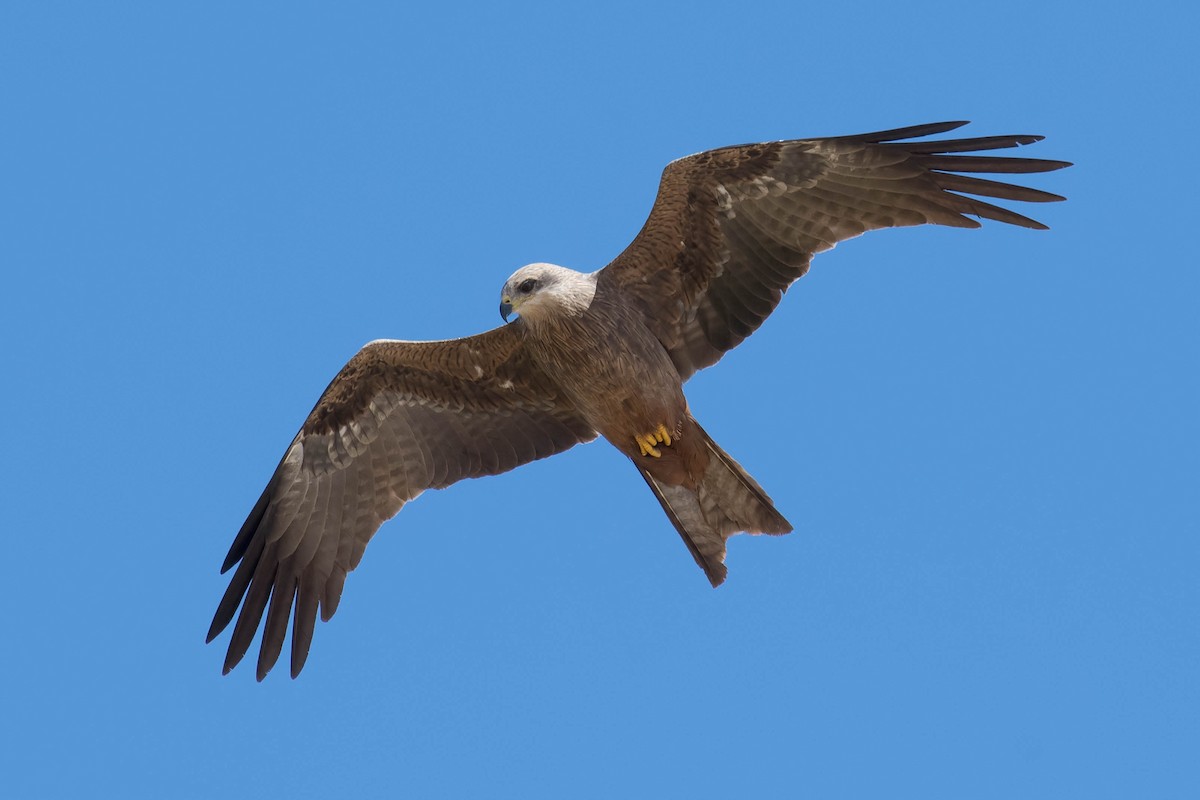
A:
[987,440]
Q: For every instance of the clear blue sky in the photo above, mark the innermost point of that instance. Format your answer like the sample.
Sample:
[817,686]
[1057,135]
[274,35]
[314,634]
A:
[987,440]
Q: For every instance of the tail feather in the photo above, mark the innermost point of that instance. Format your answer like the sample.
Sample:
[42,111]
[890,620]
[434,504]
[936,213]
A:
[726,501]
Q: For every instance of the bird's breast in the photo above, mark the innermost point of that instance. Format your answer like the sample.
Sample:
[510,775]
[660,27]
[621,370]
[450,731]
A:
[612,366]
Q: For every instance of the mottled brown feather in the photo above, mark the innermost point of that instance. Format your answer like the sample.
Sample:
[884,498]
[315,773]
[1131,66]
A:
[732,228]
[400,418]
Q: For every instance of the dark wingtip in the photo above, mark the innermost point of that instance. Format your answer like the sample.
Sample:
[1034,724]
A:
[265,664]
[246,532]
[910,132]
[298,658]
[231,660]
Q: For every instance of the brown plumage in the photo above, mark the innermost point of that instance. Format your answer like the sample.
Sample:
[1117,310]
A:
[601,353]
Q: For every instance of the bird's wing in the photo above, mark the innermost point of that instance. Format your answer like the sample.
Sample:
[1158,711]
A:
[400,418]
[732,228]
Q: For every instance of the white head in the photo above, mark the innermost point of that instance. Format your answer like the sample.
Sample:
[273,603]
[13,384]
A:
[536,290]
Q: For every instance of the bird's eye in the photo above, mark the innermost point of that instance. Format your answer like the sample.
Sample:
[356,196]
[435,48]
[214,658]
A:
[526,286]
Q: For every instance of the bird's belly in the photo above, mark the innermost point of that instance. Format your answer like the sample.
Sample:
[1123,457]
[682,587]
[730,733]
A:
[623,385]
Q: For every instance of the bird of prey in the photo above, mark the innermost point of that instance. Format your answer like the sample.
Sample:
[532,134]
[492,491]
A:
[603,353]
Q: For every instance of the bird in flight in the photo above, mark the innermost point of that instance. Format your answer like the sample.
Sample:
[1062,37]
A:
[602,353]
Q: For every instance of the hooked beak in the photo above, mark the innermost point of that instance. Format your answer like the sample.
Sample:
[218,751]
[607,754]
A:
[505,308]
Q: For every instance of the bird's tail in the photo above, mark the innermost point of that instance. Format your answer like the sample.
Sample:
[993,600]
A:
[725,501]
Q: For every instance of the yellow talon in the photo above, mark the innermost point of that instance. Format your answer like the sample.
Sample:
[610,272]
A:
[663,435]
[646,443]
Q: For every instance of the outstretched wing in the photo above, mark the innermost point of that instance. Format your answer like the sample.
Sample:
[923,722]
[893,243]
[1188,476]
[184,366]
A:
[401,417]
[732,228]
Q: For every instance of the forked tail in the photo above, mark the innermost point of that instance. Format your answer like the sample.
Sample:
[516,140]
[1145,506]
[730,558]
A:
[726,501]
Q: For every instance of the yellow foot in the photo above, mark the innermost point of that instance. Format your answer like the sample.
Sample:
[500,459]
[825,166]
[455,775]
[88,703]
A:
[646,443]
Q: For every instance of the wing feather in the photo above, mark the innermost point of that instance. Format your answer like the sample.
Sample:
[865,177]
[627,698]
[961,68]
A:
[985,188]
[400,418]
[304,621]
[275,628]
[732,228]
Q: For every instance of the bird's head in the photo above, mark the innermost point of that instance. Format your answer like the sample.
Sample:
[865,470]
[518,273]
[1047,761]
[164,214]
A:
[537,289]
